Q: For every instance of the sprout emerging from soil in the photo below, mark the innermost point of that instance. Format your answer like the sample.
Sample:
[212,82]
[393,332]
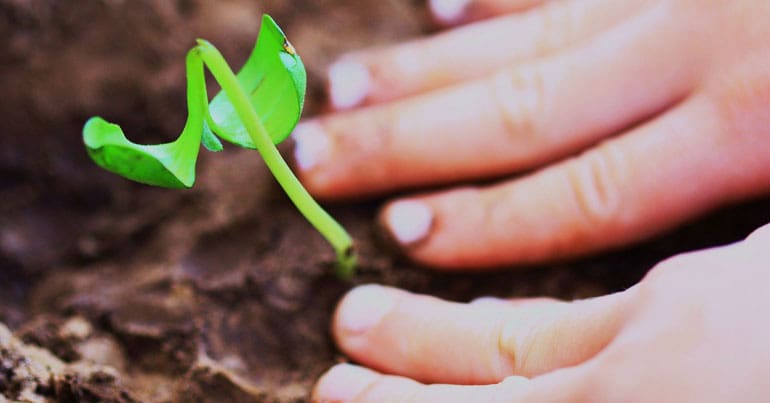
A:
[257,108]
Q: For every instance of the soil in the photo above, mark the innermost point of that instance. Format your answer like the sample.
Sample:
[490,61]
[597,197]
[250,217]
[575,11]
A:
[113,291]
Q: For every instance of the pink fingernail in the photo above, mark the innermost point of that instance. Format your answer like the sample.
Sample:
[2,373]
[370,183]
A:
[311,145]
[448,11]
[364,307]
[343,383]
[490,301]
[409,221]
[349,84]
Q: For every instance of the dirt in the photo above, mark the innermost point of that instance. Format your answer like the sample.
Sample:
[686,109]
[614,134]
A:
[118,292]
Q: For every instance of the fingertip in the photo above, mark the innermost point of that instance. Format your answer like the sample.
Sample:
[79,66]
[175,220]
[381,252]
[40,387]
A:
[311,159]
[492,302]
[362,309]
[435,230]
[448,12]
[350,83]
[342,383]
[311,145]
[407,222]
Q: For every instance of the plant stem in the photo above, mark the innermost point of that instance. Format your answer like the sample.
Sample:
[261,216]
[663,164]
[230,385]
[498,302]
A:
[315,214]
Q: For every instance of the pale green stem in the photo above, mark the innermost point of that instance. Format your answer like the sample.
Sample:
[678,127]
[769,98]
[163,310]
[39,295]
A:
[315,214]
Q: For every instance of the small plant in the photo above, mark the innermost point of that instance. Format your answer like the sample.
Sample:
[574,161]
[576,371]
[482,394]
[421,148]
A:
[257,108]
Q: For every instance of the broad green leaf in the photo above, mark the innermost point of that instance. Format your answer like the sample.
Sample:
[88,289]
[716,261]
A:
[168,165]
[275,80]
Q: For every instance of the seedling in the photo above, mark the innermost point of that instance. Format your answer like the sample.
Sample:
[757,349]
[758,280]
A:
[257,108]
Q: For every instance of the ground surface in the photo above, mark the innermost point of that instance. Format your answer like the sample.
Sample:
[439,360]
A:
[114,291]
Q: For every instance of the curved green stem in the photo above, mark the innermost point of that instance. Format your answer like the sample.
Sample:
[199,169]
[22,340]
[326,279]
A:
[315,214]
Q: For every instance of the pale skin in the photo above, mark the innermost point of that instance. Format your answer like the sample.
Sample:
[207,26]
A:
[614,121]
[694,330]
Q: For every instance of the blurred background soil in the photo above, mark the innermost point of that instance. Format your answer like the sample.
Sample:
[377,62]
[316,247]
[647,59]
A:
[114,291]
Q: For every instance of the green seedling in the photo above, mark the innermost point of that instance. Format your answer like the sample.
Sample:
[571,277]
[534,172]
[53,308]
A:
[257,108]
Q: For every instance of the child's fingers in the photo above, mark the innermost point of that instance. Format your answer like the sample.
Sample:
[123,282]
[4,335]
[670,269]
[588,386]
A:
[431,340]
[514,120]
[469,52]
[652,178]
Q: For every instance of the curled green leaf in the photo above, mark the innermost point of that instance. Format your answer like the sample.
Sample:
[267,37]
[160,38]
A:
[209,140]
[169,165]
[274,79]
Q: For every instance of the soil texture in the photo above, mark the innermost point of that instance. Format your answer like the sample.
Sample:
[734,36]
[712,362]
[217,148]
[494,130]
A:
[117,292]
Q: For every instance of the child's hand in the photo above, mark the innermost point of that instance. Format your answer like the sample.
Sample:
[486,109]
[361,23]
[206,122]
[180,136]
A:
[637,114]
[694,330]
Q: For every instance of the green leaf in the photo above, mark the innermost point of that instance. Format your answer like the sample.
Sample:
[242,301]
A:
[275,80]
[210,140]
[169,165]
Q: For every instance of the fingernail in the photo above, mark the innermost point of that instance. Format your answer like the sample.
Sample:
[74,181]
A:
[490,301]
[408,221]
[311,145]
[448,11]
[349,84]
[364,307]
[343,383]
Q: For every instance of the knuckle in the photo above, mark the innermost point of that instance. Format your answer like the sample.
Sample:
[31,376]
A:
[508,347]
[556,21]
[740,101]
[595,182]
[359,139]
[519,94]
[521,337]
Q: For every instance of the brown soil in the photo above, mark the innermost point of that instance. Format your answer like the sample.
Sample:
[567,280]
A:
[118,292]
